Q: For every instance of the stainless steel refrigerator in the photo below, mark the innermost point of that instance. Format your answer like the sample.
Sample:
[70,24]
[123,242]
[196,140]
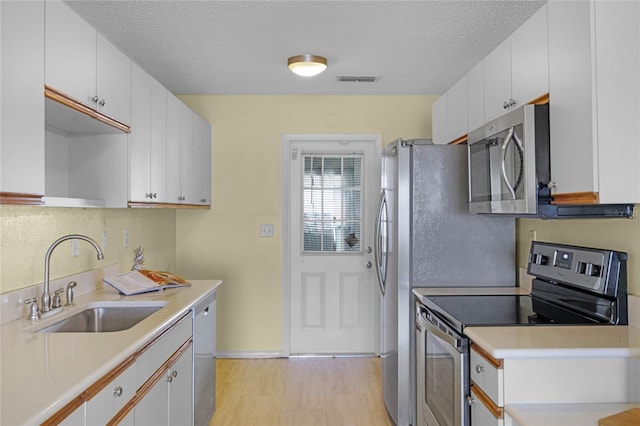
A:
[426,237]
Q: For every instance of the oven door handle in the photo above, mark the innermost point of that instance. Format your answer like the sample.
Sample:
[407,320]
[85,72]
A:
[456,342]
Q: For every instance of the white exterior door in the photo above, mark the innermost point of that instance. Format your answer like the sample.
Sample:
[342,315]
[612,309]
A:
[334,181]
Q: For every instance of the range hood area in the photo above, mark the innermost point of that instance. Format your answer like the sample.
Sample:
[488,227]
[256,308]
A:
[85,158]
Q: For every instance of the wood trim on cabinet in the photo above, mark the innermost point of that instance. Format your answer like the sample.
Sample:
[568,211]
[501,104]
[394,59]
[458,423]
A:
[541,100]
[89,393]
[140,205]
[497,412]
[461,140]
[150,383]
[20,198]
[576,198]
[93,390]
[58,96]
[497,363]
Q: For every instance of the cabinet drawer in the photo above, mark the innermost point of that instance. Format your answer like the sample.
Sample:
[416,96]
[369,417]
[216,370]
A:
[153,357]
[488,375]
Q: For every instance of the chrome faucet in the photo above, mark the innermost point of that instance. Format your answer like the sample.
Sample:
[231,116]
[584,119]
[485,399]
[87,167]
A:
[46,296]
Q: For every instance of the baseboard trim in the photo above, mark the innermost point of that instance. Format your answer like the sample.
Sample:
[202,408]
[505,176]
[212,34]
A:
[246,355]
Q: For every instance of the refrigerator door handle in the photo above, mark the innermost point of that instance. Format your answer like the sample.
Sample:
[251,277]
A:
[377,242]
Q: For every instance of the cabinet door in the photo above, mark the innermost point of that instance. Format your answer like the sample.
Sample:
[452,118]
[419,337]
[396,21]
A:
[457,125]
[530,59]
[497,81]
[201,189]
[21,85]
[617,30]
[439,120]
[186,153]
[181,390]
[113,81]
[158,155]
[572,113]
[102,407]
[140,136]
[70,55]
[475,97]
[174,148]
[76,418]
[153,410]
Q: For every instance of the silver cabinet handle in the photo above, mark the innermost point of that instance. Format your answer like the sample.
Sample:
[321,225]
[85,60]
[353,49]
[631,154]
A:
[470,400]
[117,392]
[102,102]
[95,99]
[505,105]
[368,250]
[368,264]
[171,375]
[479,368]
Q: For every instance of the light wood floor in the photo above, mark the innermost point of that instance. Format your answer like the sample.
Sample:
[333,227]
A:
[299,392]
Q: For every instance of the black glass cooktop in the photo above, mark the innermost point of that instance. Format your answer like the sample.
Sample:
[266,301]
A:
[484,310]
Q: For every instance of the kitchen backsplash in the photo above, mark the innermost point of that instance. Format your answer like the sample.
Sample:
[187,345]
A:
[12,303]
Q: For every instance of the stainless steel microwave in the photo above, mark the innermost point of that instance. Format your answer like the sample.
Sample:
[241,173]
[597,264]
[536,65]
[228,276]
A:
[509,168]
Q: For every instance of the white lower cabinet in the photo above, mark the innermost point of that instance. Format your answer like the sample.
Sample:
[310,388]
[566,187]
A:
[170,400]
[153,387]
[103,406]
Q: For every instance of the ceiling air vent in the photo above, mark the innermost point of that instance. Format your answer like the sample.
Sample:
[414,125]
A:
[357,79]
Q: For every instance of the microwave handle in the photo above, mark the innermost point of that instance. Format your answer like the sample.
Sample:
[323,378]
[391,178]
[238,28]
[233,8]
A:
[511,136]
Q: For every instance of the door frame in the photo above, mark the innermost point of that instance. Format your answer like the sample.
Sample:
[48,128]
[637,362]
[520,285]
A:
[287,141]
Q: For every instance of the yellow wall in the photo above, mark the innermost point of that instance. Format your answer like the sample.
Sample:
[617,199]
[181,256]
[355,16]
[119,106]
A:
[616,234]
[224,242]
[26,232]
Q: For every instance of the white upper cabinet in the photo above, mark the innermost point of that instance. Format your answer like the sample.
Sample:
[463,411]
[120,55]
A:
[148,139]
[174,148]
[22,112]
[517,71]
[450,114]
[475,97]
[497,81]
[201,188]
[530,59]
[439,120]
[83,65]
[594,108]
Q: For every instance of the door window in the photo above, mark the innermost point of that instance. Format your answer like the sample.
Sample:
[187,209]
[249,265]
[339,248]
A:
[332,206]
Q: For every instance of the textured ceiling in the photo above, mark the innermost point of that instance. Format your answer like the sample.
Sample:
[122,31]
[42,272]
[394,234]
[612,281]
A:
[241,47]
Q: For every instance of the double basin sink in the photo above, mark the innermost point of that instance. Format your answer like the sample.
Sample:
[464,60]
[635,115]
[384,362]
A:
[100,317]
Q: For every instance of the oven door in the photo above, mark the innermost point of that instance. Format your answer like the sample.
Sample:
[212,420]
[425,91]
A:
[445,375]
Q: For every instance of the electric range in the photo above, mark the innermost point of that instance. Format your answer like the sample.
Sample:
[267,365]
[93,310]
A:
[572,285]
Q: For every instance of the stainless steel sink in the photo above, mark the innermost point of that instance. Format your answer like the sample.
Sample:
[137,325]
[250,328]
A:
[102,319]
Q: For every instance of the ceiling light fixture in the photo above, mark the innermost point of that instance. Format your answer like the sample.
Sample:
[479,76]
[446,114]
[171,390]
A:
[307,65]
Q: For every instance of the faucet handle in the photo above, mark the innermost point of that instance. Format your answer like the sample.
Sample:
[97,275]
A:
[34,311]
[70,287]
[56,299]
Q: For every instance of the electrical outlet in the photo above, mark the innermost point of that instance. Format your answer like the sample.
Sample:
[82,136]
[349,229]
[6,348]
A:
[126,238]
[75,251]
[266,230]
[104,240]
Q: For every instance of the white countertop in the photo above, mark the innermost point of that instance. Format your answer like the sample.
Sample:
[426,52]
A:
[564,414]
[41,372]
[558,341]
